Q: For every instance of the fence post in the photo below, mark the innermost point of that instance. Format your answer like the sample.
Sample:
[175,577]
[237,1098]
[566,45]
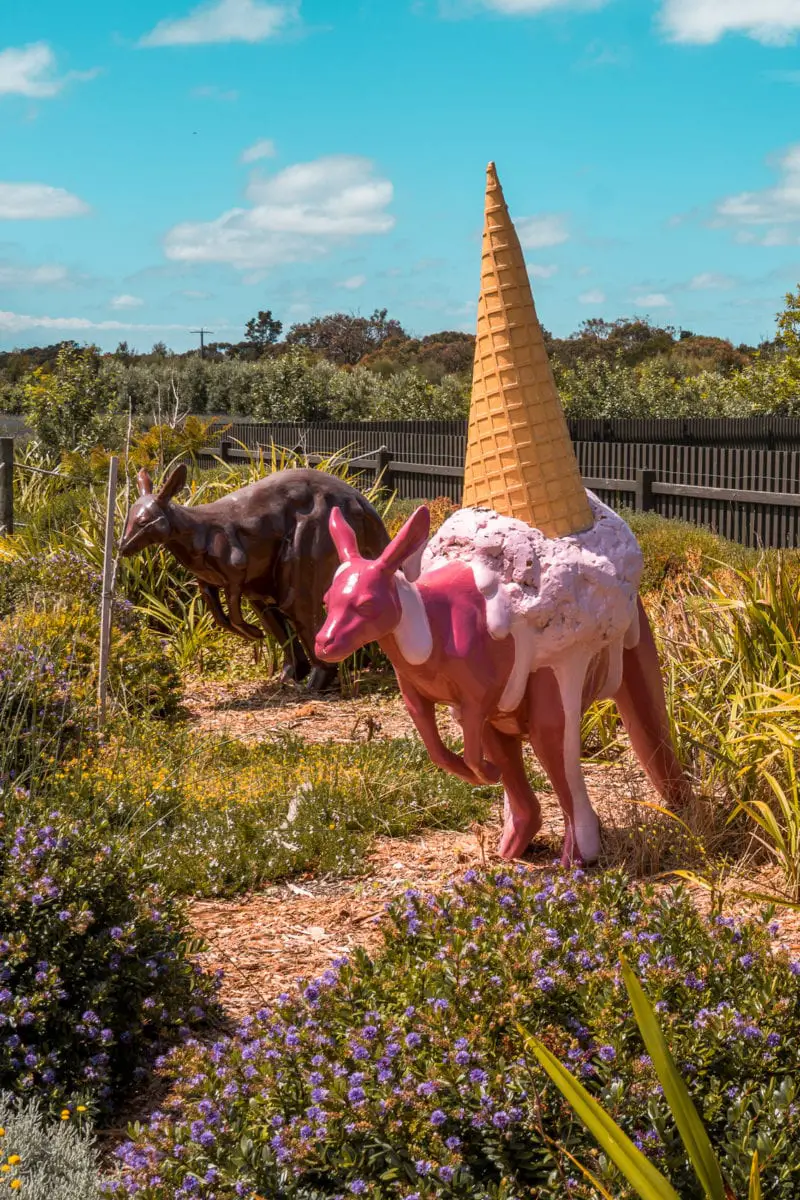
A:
[645,500]
[225,450]
[383,468]
[7,485]
[107,594]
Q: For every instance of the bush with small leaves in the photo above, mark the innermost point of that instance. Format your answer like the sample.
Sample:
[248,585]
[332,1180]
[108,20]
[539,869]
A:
[408,1076]
[95,968]
[45,1158]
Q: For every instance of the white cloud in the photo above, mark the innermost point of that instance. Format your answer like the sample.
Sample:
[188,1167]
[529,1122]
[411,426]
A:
[295,216]
[11,322]
[773,22]
[354,282]
[224,21]
[549,229]
[37,201]
[191,294]
[542,270]
[526,8]
[265,148]
[126,301]
[595,296]
[30,71]
[708,281]
[212,92]
[770,210]
[47,275]
[653,300]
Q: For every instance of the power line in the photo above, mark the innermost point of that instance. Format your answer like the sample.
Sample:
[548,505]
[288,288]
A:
[202,333]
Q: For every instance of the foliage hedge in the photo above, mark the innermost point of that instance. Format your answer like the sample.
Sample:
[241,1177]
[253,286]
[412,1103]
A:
[407,1075]
[95,969]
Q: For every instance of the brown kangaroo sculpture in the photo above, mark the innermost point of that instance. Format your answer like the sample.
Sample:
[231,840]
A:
[268,542]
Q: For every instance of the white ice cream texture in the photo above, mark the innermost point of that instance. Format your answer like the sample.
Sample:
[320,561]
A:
[563,600]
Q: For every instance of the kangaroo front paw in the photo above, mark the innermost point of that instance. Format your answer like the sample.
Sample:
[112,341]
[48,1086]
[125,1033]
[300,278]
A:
[251,632]
[322,679]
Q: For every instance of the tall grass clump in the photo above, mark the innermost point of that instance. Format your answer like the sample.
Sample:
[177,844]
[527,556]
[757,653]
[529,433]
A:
[731,642]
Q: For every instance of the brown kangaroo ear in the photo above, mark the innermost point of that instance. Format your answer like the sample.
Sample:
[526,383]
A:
[144,482]
[344,539]
[173,483]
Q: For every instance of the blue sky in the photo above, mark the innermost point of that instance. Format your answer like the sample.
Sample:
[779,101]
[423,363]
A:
[164,165]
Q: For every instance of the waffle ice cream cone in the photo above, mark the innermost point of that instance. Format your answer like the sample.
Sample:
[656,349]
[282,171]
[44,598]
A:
[520,461]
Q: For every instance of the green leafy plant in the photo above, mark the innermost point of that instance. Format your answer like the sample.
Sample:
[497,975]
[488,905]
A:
[95,968]
[405,1074]
[649,1183]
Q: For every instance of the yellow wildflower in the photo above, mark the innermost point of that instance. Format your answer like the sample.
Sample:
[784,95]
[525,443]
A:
[65,1114]
[13,1159]
[16,1184]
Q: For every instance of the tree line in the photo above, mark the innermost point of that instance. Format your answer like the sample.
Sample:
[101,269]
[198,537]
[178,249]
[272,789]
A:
[347,367]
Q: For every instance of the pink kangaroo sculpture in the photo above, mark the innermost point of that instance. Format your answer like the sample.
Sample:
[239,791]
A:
[438,635]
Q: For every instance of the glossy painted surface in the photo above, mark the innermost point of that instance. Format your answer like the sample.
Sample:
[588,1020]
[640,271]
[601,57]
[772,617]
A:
[268,542]
[439,640]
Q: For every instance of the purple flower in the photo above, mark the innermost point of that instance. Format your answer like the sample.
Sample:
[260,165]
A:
[438,1118]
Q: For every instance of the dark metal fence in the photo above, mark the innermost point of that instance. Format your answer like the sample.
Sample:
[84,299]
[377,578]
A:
[738,486]
[739,478]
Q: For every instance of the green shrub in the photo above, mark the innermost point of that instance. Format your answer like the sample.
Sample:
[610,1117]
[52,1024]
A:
[71,407]
[677,551]
[407,1076]
[39,712]
[94,964]
[217,818]
[142,677]
[51,1161]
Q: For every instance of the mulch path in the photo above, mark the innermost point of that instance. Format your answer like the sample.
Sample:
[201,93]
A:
[255,711]
[267,941]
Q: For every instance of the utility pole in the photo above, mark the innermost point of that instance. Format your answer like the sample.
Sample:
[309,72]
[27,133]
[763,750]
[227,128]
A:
[202,333]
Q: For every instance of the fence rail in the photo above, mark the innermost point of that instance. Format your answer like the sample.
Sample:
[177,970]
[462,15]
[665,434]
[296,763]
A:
[749,493]
[746,492]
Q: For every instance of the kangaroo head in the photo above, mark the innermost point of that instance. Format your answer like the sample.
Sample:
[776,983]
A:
[148,522]
[363,601]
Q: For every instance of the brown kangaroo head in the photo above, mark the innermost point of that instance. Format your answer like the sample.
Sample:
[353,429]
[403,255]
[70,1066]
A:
[149,522]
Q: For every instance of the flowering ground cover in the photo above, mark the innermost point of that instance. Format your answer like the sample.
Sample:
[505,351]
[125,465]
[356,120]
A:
[408,1075]
[95,967]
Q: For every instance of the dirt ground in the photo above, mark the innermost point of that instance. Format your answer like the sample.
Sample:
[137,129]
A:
[255,711]
[267,941]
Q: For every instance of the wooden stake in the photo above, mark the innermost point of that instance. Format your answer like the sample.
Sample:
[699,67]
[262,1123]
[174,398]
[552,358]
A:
[6,485]
[108,591]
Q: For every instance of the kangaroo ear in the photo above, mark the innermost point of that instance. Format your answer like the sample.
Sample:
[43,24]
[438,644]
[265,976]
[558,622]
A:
[411,538]
[343,537]
[144,482]
[173,483]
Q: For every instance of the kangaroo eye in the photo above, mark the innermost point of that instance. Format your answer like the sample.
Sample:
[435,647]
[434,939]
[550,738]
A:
[367,608]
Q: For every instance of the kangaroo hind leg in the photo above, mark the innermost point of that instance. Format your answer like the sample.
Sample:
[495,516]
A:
[523,816]
[643,709]
[555,709]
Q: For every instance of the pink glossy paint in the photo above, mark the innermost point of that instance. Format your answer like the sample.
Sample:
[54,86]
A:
[436,634]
